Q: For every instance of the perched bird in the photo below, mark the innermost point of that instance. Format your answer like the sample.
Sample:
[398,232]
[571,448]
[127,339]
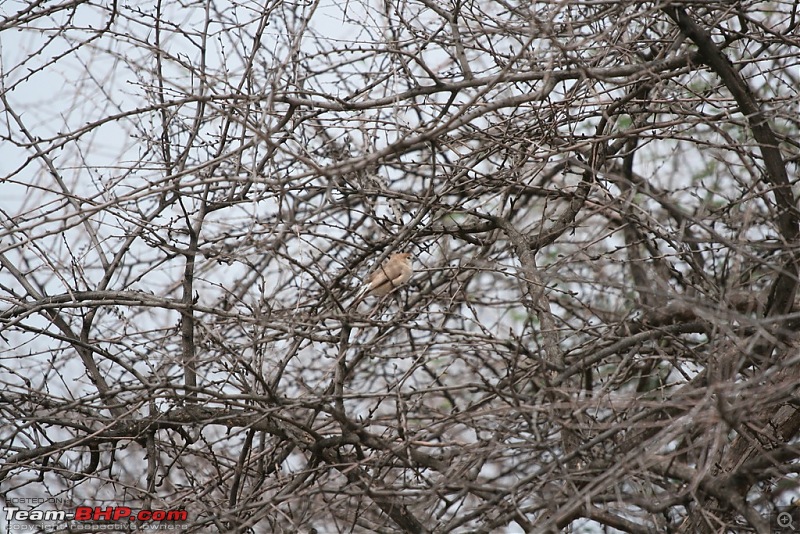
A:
[392,274]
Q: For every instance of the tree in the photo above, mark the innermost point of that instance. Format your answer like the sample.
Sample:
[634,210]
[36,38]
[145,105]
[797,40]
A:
[599,195]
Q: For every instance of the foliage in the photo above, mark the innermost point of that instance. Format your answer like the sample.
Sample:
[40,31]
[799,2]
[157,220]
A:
[599,196]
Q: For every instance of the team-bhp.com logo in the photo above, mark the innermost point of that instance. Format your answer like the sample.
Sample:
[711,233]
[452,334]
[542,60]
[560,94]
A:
[94,514]
[117,513]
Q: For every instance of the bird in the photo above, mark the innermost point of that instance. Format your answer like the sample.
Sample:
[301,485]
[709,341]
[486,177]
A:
[390,275]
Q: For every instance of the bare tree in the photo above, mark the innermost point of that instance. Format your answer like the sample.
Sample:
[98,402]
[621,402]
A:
[600,197]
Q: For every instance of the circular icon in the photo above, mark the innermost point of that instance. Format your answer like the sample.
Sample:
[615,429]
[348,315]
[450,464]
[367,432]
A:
[785,520]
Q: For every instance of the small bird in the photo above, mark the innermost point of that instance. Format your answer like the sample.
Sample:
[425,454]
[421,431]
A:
[393,273]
